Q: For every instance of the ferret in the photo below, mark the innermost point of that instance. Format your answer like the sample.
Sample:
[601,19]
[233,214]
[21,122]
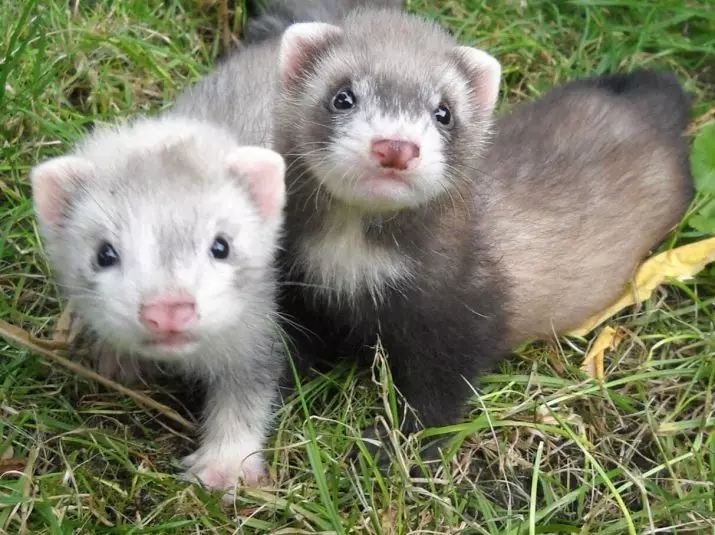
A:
[163,233]
[415,219]
[381,123]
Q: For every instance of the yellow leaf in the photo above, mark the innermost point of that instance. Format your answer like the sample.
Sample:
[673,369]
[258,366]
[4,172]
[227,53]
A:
[680,263]
[593,362]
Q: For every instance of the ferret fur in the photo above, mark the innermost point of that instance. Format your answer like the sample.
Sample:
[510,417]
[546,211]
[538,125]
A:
[507,232]
[575,191]
[421,277]
[160,190]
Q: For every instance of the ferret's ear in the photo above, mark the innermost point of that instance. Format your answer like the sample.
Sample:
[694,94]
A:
[300,46]
[53,182]
[263,171]
[484,71]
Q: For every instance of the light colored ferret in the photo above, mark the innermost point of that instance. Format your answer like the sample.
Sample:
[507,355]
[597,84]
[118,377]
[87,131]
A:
[163,233]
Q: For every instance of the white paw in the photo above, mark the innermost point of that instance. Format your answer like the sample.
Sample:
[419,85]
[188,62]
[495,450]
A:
[224,468]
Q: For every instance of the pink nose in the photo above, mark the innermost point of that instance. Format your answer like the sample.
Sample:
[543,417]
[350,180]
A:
[394,153]
[164,315]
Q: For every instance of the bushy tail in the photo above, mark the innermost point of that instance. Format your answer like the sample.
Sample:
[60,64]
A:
[268,18]
[659,95]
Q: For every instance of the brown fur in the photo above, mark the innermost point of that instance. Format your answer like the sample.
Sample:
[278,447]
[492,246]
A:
[580,192]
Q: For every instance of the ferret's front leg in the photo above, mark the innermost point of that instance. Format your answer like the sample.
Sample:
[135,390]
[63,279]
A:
[435,348]
[239,410]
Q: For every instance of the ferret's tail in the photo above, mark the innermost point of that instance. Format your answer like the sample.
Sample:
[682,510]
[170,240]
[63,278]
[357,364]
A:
[268,18]
[658,95]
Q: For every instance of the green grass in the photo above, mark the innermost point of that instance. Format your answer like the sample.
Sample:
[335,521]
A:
[543,450]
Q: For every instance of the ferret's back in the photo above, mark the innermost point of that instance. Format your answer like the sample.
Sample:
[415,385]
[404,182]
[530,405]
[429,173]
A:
[239,95]
[582,184]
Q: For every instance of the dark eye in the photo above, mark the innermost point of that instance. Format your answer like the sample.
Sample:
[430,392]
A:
[442,115]
[344,100]
[219,248]
[106,255]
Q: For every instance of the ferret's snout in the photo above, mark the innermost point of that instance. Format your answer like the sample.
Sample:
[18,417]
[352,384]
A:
[394,153]
[168,314]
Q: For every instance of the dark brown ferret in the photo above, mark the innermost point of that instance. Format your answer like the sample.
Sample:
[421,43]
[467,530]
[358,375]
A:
[412,217]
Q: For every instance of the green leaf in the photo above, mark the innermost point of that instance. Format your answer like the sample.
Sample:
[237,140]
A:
[702,160]
[702,223]
[704,220]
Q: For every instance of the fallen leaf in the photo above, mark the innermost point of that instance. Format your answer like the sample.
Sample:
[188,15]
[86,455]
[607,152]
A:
[14,464]
[7,454]
[609,339]
[67,326]
[680,263]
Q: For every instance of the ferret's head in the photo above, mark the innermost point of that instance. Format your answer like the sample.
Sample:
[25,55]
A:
[387,112]
[163,234]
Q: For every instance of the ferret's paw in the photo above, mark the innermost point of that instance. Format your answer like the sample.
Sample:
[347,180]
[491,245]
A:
[223,468]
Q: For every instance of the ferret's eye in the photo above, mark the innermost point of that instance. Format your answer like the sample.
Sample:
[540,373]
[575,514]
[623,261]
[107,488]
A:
[442,115]
[219,248]
[107,255]
[344,100]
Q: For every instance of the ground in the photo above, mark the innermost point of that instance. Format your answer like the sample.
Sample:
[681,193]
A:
[544,450]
